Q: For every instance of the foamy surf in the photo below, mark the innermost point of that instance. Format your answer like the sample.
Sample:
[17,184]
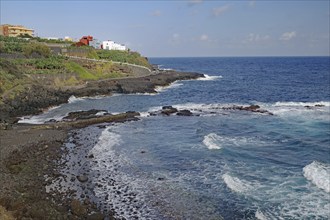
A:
[73,99]
[212,141]
[319,174]
[209,78]
[261,216]
[171,86]
[303,104]
[235,184]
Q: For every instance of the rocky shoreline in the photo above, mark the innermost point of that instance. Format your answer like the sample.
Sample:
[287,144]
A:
[38,97]
[29,154]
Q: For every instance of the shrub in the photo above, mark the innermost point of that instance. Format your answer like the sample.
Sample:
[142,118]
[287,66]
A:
[123,56]
[49,63]
[40,49]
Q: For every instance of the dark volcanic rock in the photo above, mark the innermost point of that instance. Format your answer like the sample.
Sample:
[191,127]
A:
[37,97]
[82,178]
[251,108]
[96,216]
[168,110]
[77,208]
[184,113]
[83,114]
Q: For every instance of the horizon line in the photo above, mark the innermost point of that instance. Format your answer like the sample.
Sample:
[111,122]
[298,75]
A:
[256,56]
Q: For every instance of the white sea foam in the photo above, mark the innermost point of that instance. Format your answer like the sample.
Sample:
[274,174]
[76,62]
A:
[302,104]
[100,113]
[319,174]
[144,114]
[73,99]
[209,78]
[171,86]
[261,216]
[212,141]
[165,69]
[202,109]
[31,120]
[235,184]
[106,141]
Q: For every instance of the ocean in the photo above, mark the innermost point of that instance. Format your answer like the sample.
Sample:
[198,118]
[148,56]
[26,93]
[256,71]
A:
[221,163]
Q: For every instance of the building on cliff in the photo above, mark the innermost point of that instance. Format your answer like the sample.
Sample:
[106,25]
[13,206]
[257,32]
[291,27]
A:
[89,41]
[15,30]
[84,41]
[111,45]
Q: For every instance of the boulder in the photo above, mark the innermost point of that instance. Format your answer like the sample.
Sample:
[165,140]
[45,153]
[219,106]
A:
[83,114]
[251,108]
[82,178]
[77,208]
[168,110]
[96,216]
[184,113]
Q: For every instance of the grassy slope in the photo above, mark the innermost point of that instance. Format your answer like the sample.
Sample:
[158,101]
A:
[36,65]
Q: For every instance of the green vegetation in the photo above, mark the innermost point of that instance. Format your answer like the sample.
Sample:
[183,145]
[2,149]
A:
[36,48]
[81,71]
[20,45]
[123,56]
[27,61]
[11,79]
[53,41]
[11,44]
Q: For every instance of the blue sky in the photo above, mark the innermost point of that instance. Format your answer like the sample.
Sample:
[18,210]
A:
[184,28]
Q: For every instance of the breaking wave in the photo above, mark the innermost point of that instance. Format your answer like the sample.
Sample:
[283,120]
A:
[171,86]
[209,78]
[212,141]
[319,174]
[235,184]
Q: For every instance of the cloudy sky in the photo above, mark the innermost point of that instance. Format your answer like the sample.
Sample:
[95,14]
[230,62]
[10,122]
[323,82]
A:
[184,28]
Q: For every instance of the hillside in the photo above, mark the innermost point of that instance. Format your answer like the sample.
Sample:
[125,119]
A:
[27,65]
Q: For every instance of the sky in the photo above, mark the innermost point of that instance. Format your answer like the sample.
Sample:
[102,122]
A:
[186,28]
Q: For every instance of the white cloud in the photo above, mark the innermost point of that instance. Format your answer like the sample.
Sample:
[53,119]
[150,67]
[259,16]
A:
[257,37]
[220,10]
[288,35]
[204,37]
[156,13]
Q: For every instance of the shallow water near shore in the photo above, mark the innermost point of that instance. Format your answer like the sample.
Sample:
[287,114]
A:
[223,163]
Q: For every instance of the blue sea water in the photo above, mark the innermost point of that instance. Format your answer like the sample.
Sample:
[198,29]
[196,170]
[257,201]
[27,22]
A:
[223,163]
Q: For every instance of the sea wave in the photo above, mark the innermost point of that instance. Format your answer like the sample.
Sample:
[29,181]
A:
[235,184]
[209,78]
[171,86]
[319,174]
[73,99]
[212,141]
[160,67]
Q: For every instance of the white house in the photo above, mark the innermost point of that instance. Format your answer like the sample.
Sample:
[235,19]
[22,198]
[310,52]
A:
[111,45]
